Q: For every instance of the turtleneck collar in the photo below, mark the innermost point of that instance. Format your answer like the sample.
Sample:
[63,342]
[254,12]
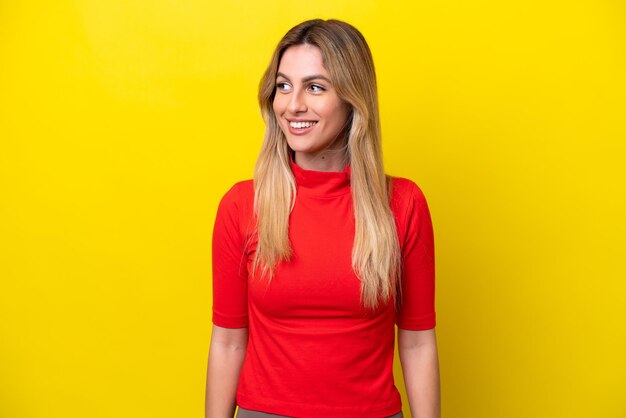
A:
[321,183]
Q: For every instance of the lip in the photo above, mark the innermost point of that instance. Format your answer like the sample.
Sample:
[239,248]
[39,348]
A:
[301,131]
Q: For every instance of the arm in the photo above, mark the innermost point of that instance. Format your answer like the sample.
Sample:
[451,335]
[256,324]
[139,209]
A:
[417,343]
[420,367]
[226,355]
[229,337]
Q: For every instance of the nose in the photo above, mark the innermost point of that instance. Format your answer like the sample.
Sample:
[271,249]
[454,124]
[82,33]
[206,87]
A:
[297,102]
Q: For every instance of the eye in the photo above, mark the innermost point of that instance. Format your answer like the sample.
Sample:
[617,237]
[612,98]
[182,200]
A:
[282,86]
[316,88]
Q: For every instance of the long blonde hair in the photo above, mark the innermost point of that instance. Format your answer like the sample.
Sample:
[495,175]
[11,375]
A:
[376,256]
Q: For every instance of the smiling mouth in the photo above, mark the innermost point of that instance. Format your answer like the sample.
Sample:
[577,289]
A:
[302,125]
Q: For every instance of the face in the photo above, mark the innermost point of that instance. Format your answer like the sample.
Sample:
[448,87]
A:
[307,107]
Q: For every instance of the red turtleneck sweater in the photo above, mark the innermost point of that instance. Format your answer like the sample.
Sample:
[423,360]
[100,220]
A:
[313,350]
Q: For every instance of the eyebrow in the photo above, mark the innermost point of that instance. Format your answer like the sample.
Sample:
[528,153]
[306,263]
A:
[307,78]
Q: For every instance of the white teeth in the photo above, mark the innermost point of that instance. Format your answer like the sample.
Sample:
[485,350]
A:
[300,125]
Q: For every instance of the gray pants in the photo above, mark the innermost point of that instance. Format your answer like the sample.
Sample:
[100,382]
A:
[246,413]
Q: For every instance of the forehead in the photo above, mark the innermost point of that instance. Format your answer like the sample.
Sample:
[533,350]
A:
[302,60]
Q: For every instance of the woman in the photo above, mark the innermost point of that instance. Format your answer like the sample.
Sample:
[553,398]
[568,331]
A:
[316,259]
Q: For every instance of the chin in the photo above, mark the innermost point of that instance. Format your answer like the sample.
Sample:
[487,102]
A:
[304,149]
[298,146]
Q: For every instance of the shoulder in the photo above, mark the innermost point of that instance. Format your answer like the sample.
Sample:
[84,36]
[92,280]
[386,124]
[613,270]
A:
[238,193]
[241,187]
[410,210]
[237,202]
[405,194]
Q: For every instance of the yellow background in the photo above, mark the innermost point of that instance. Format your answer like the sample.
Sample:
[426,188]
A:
[122,123]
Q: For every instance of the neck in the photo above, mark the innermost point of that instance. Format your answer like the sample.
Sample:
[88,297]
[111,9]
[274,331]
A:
[328,160]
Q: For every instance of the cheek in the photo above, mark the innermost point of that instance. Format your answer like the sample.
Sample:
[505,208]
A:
[279,105]
[339,115]
[279,110]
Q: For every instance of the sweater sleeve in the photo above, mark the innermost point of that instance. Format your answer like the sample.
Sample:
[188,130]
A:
[230,285]
[417,303]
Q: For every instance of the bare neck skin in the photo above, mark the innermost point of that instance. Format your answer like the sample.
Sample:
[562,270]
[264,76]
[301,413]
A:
[328,160]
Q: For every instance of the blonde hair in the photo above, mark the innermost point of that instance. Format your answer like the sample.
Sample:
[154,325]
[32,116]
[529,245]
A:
[376,256]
